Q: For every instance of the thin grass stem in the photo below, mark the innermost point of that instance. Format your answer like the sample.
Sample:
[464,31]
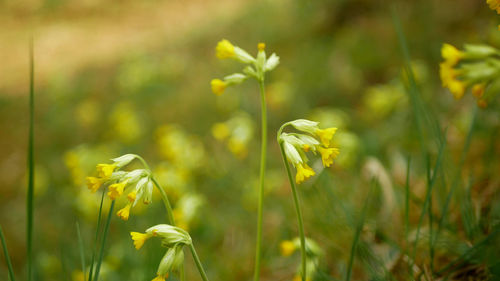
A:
[82,249]
[7,256]
[103,242]
[94,248]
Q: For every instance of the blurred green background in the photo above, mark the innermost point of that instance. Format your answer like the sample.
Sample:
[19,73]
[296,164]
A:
[133,77]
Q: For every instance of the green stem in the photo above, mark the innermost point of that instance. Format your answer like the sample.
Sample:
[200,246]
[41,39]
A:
[262,175]
[299,213]
[168,206]
[31,170]
[198,263]
[166,202]
[7,257]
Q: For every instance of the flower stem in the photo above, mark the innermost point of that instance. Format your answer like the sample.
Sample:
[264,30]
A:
[198,263]
[299,213]
[262,175]
[168,206]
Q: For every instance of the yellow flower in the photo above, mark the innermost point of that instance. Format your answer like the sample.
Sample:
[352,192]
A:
[125,212]
[482,103]
[160,278]
[478,90]
[451,55]
[261,46]
[224,49]
[116,190]
[220,131]
[299,278]
[326,135]
[447,73]
[131,196]
[287,248]
[105,170]
[218,86]
[327,155]
[139,239]
[494,5]
[457,88]
[303,172]
[94,183]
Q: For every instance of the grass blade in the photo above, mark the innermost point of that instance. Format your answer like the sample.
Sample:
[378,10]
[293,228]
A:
[357,234]
[456,178]
[428,197]
[469,252]
[94,248]
[103,242]
[31,169]
[407,203]
[82,249]
[7,256]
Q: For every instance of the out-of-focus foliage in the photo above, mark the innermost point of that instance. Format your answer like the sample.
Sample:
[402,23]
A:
[341,65]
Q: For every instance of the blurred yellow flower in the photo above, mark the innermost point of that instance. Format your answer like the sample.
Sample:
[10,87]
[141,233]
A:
[303,172]
[94,183]
[287,247]
[224,49]
[328,155]
[116,189]
[326,135]
[261,46]
[451,54]
[220,131]
[478,90]
[105,170]
[218,86]
[494,5]
[125,212]
[160,277]
[139,239]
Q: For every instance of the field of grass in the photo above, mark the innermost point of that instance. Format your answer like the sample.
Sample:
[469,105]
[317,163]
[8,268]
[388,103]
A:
[405,92]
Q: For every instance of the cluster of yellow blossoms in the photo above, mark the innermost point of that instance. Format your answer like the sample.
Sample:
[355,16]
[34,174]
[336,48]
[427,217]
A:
[477,67]
[313,255]
[117,181]
[315,140]
[237,132]
[173,238]
[494,5]
[256,67]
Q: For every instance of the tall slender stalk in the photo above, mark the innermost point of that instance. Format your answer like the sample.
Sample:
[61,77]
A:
[299,214]
[7,256]
[31,169]
[168,207]
[198,263]
[262,175]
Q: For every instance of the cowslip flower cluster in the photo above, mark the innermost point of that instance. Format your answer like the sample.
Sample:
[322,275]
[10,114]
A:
[494,5]
[316,140]
[138,182]
[255,67]
[476,67]
[313,255]
[173,238]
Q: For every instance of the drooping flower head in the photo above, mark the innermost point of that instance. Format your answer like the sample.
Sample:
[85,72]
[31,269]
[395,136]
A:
[311,139]
[255,66]
[475,67]
[137,183]
[173,238]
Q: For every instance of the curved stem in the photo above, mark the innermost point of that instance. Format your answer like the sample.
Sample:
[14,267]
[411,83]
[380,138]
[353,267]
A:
[198,263]
[166,202]
[299,213]
[262,175]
